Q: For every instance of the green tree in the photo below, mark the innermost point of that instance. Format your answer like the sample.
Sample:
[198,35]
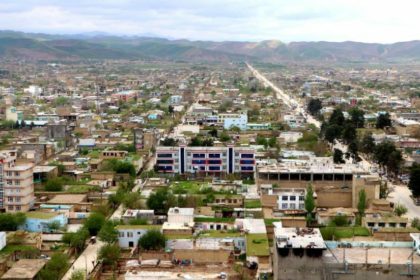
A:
[160,201]
[108,233]
[55,268]
[337,117]
[353,151]
[357,117]
[383,121]
[54,185]
[400,210]
[132,200]
[367,146]
[224,137]
[109,253]
[77,275]
[54,226]
[213,132]
[169,142]
[272,142]
[361,205]
[94,223]
[76,240]
[314,107]
[414,183]
[152,240]
[11,222]
[338,156]
[348,133]
[332,132]
[395,160]
[309,203]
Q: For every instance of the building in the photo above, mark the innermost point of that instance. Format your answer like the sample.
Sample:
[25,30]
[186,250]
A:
[145,138]
[135,214]
[206,160]
[178,215]
[37,221]
[376,221]
[230,120]
[24,269]
[12,114]
[258,126]
[16,183]
[291,199]
[290,136]
[129,235]
[175,99]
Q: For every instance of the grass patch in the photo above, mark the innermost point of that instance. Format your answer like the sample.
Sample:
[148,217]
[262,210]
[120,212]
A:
[269,222]
[213,220]
[257,245]
[252,203]
[336,233]
[10,249]
[186,187]
[81,188]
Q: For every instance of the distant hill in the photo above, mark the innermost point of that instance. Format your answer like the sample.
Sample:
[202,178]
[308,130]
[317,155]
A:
[98,45]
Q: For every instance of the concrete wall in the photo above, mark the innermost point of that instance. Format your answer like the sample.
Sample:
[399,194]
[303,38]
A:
[334,198]
[203,256]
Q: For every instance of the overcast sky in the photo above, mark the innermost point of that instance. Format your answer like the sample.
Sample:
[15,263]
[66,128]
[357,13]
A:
[381,21]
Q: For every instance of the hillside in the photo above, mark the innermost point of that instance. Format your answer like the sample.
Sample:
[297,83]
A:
[34,46]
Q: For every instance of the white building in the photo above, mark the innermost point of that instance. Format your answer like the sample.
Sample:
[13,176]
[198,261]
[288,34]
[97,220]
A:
[230,120]
[291,199]
[2,240]
[290,136]
[183,216]
[129,235]
[33,90]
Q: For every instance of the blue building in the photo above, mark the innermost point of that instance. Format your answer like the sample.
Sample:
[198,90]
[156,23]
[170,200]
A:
[40,221]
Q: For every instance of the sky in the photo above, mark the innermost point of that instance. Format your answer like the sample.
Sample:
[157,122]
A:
[381,21]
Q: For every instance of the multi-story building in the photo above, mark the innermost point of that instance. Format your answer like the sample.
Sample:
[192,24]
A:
[230,120]
[16,183]
[207,160]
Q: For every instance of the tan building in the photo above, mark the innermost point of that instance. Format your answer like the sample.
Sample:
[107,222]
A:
[16,183]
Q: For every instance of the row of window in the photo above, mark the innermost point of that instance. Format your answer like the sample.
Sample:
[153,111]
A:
[292,198]
[11,173]
[10,182]
[11,199]
[292,206]
[384,224]
[129,234]
[11,208]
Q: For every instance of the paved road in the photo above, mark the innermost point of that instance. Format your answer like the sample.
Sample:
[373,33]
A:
[401,194]
[84,261]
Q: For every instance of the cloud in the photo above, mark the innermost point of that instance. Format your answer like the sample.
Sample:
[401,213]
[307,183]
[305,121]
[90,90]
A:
[298,20]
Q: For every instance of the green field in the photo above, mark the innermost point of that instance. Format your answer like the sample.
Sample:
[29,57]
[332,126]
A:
[257,245]
[336,233]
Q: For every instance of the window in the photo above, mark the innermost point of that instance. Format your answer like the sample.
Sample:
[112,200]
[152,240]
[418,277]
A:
[18,208]
[403,224]
[301,206]
[10,199]
[301,198]
[284,206]
[371,224]
[381,224]
[292,206]
[17,183]
[10,207]
[392,224]
[293,198]
[17,199]
[17,174]
[121,234]
[129,234]
[285,197]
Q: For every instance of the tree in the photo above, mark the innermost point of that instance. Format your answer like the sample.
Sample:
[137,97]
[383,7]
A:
[394,162]
[272,142]
[11,222]
[337,117]
[213,132]
[353,151]
[168,142]
[338,156]
[109,253]
[94,223]
[400,210]
[357,117]
[55,268]
[415,223]
[348,133]
[361,205]
[414,183]
[367,146]
[54,185]
[332,132]
[382,152]
[314,106]
[132,200]
[108,233]
[383,121]
[224,137]
[152,240]
[160,201]
[77,275]
[309,202]
[54,226]
[171,109]
[76,240]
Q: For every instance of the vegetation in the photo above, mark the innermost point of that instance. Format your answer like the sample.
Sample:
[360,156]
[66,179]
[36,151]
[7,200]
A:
[257,245]
[55,268]
[314,107]
[108,233]
[152,240]
[76,240]
[11,222]
[309,203]
[400,210]
[119,166]
[383,120]
[161,201]
[94,223]
[54,185]
[336,233]
[77,275]
[252,203]
[414,183]
[109,253]
[338,156]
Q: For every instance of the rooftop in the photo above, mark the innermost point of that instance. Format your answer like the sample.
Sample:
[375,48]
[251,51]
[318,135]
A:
[67,199]
[148,227]
[257,245]
[41,215]
[181,211]
[24,269]
[298,237]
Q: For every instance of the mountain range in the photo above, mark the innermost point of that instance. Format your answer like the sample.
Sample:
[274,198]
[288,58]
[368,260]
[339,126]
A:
[98,45]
